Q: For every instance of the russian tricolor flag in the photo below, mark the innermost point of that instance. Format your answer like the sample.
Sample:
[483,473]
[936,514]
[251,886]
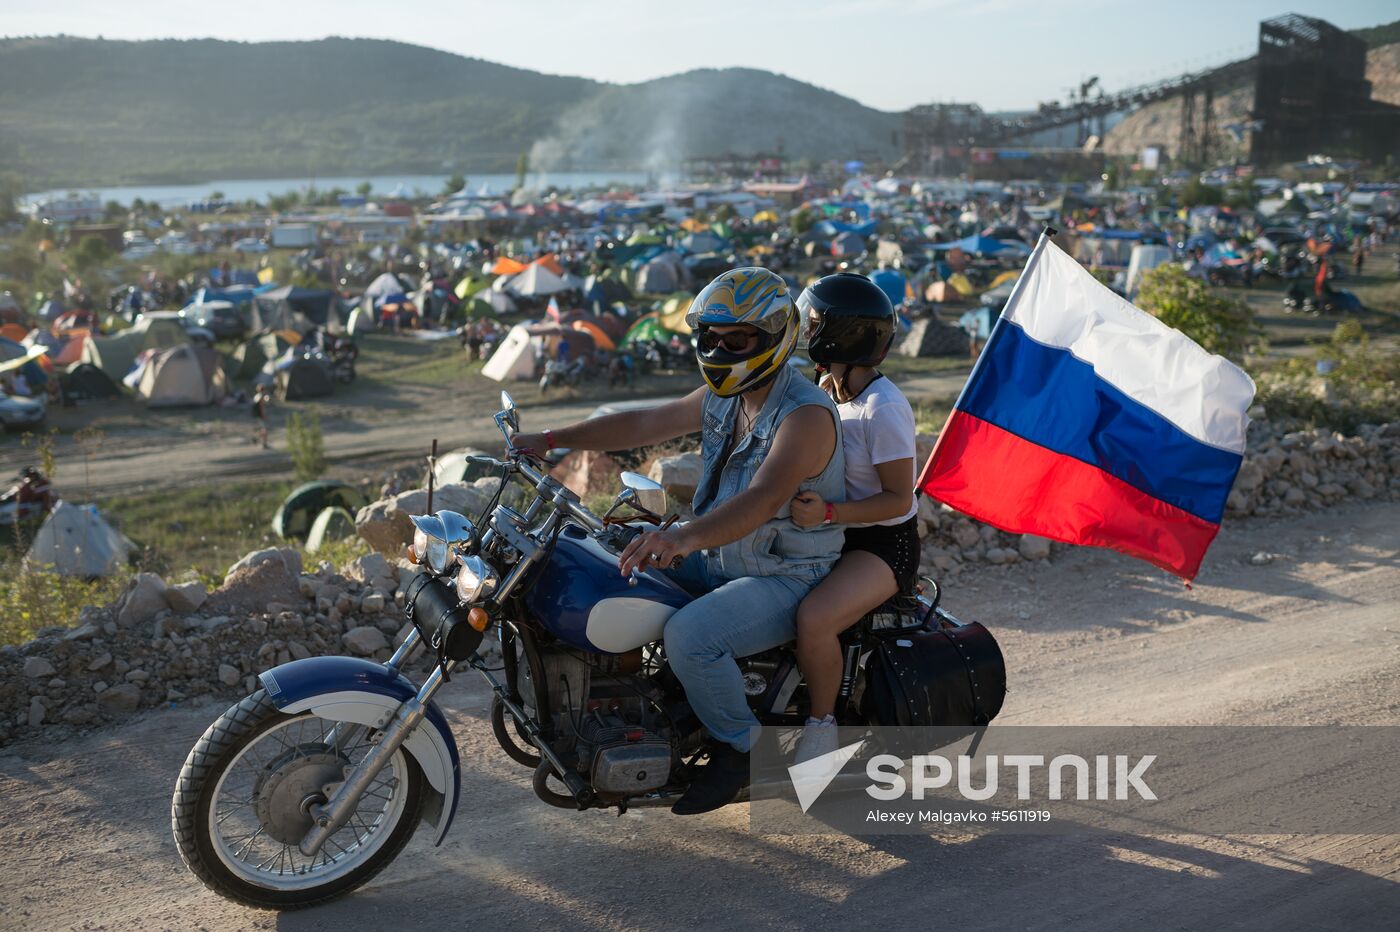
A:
[1089,421]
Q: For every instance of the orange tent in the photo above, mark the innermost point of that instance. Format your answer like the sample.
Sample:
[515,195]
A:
[72,350]
[13,332]
[691,225]
[507,266]
[551,263]
[599,337]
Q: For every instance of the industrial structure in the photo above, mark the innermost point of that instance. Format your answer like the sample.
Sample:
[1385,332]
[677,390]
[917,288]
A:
[1311,96]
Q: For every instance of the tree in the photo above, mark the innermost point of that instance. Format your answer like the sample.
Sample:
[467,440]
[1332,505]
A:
[1199,194]
[363,188]
[91,251]
[802,221]
[1220,324]
[454,184]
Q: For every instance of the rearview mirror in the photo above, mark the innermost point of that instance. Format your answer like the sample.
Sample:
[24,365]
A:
[650,494]
[512,417]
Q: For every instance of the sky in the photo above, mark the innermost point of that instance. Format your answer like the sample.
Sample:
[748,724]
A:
[888,54]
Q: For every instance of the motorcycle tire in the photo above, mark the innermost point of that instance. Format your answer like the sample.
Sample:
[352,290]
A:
[211,757]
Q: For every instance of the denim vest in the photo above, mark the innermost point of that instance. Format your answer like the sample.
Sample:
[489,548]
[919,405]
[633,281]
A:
[778,547]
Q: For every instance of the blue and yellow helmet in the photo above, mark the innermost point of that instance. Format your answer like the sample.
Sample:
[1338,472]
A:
[758,298]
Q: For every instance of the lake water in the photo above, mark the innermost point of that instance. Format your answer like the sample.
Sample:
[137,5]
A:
[174,195]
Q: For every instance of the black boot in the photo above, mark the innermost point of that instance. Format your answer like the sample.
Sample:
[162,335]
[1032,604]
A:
[717,783]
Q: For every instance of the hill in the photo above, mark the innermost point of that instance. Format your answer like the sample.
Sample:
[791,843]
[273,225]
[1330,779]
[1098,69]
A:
[88,111]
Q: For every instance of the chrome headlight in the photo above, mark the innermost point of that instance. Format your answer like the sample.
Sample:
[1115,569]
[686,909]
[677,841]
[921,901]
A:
[475,579]
[430,544]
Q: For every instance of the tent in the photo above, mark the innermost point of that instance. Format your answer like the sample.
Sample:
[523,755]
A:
[330,525]
[13,331]
[452,468]
[847,244]
[470,285]
[246,360]
[76,541]
[385,284]
[294,308]
[600,339]
[604,290]
[361,321]
[976,245]
[85,380]
[706,241]
[182,376]
[158,331]
[306,377]
[113,355]
[72,349]
[673,312]
[514,359]
[1144,259]
[648,328]
[537,280]
[477,309]
[507,266]
[299,509]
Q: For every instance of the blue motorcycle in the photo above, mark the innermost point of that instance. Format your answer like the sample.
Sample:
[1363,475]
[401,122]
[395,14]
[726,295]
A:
[311,785]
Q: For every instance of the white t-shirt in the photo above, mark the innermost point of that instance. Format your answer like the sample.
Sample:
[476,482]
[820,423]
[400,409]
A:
[877,426]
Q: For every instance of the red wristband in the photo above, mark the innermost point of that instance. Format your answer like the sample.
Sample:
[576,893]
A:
[830,513]
[549,438]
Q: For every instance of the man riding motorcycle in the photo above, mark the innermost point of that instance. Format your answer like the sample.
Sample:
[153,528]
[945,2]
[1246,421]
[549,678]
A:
[767,435]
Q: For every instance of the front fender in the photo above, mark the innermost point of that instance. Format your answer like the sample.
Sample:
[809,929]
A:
[349,689]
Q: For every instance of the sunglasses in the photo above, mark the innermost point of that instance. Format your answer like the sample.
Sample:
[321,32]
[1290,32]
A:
[733,341]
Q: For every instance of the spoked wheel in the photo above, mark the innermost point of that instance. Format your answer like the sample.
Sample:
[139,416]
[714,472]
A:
[242,804]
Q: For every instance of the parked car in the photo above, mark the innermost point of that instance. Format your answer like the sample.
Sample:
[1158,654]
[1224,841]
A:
[249,244]
[18,413]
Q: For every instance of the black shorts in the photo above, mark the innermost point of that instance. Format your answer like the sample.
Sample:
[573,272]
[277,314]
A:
[896,544]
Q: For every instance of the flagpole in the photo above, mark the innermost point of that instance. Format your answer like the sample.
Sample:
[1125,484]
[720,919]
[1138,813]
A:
[1045,236]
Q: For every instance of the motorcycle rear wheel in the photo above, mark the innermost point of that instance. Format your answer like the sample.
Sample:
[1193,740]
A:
[262,867]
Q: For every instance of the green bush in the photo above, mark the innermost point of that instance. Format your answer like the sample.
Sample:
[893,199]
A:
[32,599]
[306,445]
[1220,324]
[1342,384]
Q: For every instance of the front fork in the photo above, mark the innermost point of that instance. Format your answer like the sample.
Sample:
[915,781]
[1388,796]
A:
[331,816]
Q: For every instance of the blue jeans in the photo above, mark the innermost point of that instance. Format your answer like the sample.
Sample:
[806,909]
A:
[730,619]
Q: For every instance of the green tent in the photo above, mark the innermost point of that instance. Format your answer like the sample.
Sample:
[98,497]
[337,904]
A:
[648,328]
[113,355]
[477,309]
[299,510]
[246,360]
[331,524]
[643,239]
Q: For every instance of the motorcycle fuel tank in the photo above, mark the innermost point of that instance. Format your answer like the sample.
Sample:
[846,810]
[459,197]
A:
[582,599]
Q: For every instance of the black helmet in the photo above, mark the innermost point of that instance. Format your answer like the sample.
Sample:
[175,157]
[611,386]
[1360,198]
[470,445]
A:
[848,320]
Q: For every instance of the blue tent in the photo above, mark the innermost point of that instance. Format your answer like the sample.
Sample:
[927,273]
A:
[976,244]
[833,228]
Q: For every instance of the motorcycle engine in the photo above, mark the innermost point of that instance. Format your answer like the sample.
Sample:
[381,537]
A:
[603,717]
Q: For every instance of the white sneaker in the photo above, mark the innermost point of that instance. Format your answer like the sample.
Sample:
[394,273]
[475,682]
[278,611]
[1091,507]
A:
[818,738]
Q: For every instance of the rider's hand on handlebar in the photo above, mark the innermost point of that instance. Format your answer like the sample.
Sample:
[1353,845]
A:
[532,443]
[661,549]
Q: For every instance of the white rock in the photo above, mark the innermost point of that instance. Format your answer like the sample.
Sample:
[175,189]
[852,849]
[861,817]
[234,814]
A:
[290,558]
[365,641]
[36,712]
[228,674]
[186,597]
[122,698]
[1032,547]
[145,600]
[373,603]
[679,475]
[368,567]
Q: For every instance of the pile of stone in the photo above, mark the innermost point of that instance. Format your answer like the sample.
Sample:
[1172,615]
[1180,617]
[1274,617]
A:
[1287,472]
[161,644]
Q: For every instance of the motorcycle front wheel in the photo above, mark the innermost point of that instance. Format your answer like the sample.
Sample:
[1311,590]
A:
[241,806]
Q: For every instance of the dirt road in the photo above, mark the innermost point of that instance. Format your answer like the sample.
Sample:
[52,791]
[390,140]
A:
[177,447]
[1312,637]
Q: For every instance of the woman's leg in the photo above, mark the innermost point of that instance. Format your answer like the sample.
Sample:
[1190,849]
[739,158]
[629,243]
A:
[859,582]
